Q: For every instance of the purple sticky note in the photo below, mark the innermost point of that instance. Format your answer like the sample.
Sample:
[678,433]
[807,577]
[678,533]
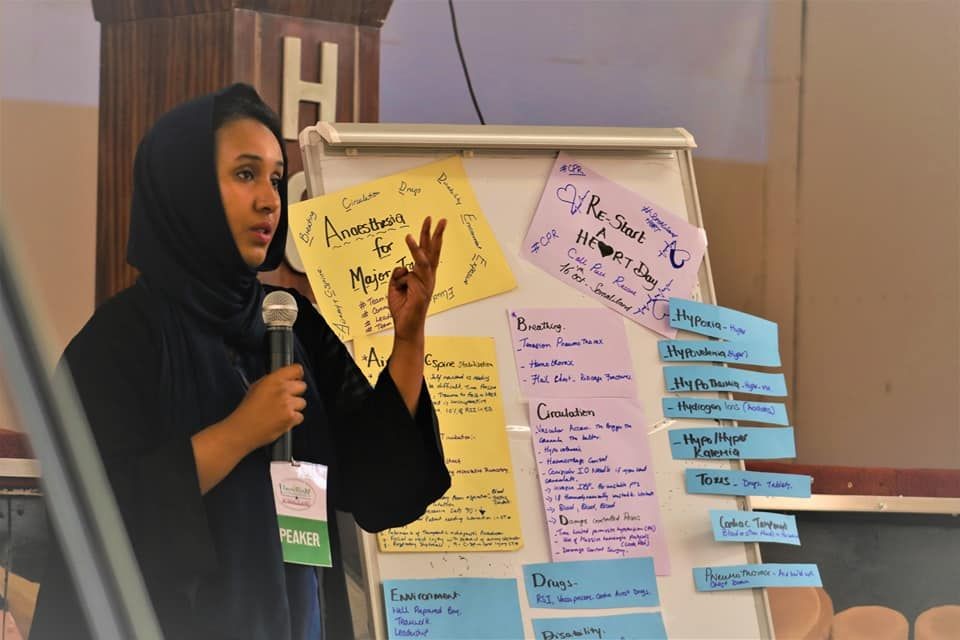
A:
[597,480]
[571,353]
[614,245]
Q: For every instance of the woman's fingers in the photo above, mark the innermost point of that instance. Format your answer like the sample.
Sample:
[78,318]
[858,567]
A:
[425,234]
[420,259]
[290,372]
[298,387]
[436,243]
[399,275]
[426,253]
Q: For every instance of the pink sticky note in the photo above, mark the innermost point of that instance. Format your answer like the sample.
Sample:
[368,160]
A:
[614,245]
[571,353]
[597,480]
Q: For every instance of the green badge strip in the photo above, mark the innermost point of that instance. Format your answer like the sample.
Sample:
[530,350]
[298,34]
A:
[305,541]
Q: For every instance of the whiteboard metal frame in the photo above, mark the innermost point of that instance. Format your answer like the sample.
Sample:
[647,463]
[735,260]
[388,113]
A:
[746,503]
[327,139]
[351,137]
[875,504]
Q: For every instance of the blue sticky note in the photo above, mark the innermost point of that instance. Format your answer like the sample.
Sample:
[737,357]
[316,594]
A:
[630,626]
[681,379]
[720,322]
[747,483]
[453,608]
[735,443]
[724,409]
[592,584]
[758,353]
[751,576]
[754,526]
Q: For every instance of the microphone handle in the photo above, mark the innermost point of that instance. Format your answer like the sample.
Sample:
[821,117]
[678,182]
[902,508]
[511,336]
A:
[280,340]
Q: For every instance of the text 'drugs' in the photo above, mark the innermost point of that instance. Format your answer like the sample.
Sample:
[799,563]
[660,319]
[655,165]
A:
[592,584]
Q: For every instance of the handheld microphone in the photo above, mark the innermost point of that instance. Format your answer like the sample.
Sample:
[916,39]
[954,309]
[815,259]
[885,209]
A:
[279,313]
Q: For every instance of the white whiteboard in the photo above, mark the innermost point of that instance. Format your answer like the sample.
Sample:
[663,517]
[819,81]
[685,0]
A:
[507,168]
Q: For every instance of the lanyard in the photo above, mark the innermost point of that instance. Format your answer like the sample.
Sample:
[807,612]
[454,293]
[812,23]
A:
[238,367]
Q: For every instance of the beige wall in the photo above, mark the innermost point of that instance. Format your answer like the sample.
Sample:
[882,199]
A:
[877,305]
[48,178]
[857,210]
[48,192]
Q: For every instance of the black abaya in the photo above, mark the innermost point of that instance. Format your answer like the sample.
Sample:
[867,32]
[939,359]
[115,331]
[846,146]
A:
[167,358]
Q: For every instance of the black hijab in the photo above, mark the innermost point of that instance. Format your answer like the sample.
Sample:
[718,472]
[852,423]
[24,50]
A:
[179,236]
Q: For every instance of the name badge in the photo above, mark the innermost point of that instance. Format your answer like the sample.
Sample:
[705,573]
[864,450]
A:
[300,495]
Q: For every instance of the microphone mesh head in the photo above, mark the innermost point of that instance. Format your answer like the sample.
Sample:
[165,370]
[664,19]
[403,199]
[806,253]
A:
[279,309]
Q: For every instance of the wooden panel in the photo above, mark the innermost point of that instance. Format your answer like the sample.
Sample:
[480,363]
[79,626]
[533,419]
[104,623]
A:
[357,12]
[731,196]
[363,12]
[780,249]
[312,33]
[106,11]
[373,13]
[147,67]
[14,444]
[785,60]
[871,481]
[246,49]
[368,75]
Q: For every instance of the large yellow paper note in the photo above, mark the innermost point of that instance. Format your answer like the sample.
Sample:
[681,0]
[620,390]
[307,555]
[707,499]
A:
[350,242]
[479,512]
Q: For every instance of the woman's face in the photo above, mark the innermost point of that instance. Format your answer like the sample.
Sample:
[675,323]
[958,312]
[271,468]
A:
[249,169]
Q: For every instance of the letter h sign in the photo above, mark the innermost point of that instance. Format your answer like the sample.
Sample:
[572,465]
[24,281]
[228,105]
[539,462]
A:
[295,89]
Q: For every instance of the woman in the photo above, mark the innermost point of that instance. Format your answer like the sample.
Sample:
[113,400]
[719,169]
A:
[162,370]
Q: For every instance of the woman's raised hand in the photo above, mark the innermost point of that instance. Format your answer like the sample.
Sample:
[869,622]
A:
[411,290]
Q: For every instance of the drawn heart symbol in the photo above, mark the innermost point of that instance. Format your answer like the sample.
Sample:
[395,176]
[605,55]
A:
[568,194]
[679,257]
[605,249]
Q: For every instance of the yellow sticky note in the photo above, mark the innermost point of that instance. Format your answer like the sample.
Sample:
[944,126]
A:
[479,512]
[352,240]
